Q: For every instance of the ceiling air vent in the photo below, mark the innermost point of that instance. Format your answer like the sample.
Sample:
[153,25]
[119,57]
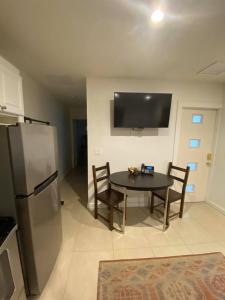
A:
[215,68]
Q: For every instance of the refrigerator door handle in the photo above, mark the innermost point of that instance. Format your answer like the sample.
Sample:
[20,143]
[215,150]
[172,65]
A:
[30,120]
[38,189]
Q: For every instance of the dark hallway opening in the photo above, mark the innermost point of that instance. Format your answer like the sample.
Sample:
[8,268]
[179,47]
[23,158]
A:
[80,144]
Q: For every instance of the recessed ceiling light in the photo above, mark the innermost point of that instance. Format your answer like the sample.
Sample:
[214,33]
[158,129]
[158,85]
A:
[157,16]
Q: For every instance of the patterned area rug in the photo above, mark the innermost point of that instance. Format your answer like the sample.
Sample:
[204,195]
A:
[189,277]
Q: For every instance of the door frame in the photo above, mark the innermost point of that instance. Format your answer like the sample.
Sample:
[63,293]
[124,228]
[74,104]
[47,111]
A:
[198,105]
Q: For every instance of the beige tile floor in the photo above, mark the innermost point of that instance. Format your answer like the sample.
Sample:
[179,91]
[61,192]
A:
[86,241]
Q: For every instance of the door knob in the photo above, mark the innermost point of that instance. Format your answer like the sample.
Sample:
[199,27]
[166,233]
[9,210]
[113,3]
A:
[209,159]
[209,156]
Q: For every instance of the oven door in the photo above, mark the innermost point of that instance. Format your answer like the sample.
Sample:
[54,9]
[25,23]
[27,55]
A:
[11,280]
[7,286]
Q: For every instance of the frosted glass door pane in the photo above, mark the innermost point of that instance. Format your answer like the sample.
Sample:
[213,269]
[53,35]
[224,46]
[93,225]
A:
[190,188]
[193,166]
[194,143]
[197,119]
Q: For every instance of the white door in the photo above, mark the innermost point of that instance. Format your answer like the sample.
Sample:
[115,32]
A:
[196,149]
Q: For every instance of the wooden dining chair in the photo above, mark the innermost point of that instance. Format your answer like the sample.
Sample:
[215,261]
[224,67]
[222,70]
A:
[173,195]
[110,197]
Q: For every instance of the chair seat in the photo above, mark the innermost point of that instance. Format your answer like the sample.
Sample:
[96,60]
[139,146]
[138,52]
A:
[173,195]
[110,197]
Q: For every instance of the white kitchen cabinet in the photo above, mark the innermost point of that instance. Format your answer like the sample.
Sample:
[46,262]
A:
[11,96]
[1,86]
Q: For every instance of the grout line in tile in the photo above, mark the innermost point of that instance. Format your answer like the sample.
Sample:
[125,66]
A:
[67,277]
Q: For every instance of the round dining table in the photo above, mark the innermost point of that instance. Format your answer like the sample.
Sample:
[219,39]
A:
[144,182]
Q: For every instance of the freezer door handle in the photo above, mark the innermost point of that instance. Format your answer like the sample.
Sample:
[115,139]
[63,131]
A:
[30,120]
[38,189]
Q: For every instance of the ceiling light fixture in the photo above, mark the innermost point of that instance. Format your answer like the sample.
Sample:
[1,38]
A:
[157,16]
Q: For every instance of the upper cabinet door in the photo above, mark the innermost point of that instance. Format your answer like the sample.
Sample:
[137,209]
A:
[12,99]
[1,88]
[11,95]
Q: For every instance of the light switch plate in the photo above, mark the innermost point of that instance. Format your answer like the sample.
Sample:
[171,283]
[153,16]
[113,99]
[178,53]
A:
[98,151]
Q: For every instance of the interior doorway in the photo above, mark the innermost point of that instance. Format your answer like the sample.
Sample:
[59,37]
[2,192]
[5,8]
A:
[78,176]
[80,144]
[196,147]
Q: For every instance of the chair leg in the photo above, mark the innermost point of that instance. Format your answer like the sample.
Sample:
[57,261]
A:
[124,209]
[168,214]
[181,208]
[152,204]
[111,218]
[96,208]
[165,226]
[125,212]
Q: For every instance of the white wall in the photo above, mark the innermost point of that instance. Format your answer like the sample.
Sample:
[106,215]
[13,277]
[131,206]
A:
[217,189]
[124,147]
[40,104]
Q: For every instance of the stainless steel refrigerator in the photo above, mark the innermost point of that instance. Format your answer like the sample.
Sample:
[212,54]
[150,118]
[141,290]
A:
[28,157]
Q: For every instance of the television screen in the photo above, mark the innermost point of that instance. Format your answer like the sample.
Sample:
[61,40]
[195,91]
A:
[141,110]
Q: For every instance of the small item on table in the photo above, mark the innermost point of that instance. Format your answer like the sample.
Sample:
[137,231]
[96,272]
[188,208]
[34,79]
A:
[147,170]
[133,170]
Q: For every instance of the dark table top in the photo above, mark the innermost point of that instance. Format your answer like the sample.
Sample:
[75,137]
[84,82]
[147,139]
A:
[141,182]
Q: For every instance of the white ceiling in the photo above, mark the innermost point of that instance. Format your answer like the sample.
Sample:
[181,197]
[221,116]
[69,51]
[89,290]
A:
[60,42]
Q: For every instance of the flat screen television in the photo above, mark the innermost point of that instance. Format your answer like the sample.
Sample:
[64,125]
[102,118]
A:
[141,110]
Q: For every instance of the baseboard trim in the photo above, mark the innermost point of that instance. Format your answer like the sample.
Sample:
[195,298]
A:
[216,206]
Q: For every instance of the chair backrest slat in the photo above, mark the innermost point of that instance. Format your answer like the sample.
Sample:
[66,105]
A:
[184,180]
[100,168]
[177,178]
[102,178]
[179,168]
[98,179]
